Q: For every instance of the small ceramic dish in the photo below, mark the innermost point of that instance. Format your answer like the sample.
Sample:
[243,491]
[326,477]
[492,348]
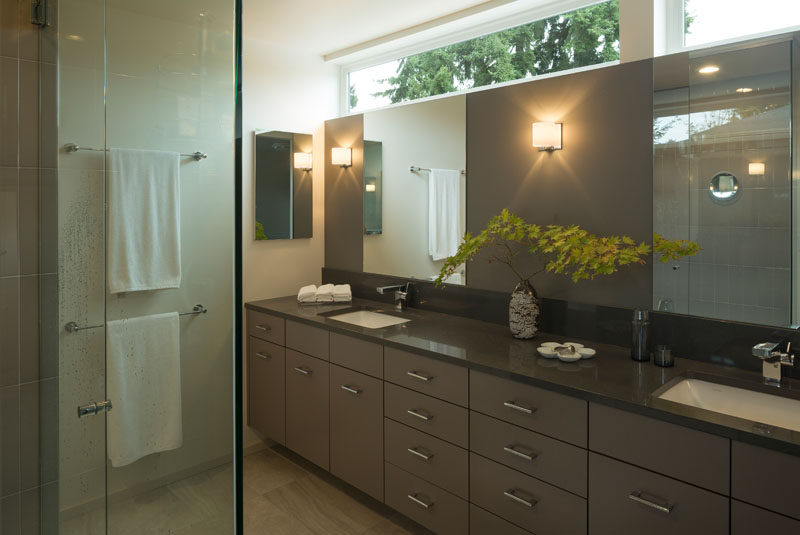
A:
[569,357]
[551,344]
[576,345]
[547,352]
[586,352]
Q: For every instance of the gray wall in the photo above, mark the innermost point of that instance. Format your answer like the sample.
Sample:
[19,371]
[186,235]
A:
[601,180]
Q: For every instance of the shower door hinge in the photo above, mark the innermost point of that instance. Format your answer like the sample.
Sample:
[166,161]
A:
[93,408]
[39,13]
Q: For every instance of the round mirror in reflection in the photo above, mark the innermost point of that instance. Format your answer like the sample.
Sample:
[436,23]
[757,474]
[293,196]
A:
[724,188]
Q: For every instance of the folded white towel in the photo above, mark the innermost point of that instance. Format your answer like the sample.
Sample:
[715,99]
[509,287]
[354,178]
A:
[342,293]
[325,293]
[307,294]
[144,382]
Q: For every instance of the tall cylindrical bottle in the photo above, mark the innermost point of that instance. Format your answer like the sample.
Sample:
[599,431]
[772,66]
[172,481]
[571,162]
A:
[640,345]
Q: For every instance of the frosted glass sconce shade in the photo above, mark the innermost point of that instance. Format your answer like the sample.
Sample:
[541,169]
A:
[302,160]
[370,187]
[546,136]
[756,168]
[341,156]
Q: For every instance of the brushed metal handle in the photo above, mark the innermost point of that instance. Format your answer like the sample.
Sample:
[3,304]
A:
[264,328]
[264,356]
[511,493]
[350,389]
[517,407]
[637,497]
[414,412]
[414,498]
[514,451]
[419,454]
[303,370]
[416,375]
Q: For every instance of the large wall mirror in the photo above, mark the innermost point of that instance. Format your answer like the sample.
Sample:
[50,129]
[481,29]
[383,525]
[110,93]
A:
[723,141]
[415,188]
[283,185]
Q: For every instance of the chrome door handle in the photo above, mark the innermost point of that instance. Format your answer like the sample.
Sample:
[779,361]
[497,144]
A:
[94,408]
[419,454]
[419,376]
[264,356]
[350,389]
[513,451]
[517,407]
[637,497]
[303,370]
[511,493]
[414,498]
[264,328]
[414,412]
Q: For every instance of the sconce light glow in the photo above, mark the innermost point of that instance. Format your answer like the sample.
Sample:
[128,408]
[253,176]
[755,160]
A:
[756,168]
[546,136]
[708,69]
[341,156]
[370,187]
[744,89]
[302,160]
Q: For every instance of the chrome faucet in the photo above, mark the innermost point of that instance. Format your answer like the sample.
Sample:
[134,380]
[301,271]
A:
[401,293]
[773,360]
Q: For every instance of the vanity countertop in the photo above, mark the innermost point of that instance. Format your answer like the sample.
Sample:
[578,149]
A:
[610,378]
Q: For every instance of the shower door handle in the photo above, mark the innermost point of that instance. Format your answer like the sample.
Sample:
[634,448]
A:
[93,408]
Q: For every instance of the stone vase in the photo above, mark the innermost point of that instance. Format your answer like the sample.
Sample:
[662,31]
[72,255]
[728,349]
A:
[523,312]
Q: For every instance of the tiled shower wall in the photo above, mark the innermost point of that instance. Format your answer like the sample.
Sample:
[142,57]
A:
[28,283]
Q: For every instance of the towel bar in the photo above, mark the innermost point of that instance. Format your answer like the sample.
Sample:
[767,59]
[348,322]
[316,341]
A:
[73,147]
[73,327]
[417,169]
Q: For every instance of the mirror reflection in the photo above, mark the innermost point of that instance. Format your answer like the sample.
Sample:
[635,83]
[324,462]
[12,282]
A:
[724,188]
[373,187]
[283,185]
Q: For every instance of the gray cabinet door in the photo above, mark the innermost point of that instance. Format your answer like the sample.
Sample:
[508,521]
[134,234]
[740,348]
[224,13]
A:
[747,519]
[359,355]
[430,415]
[307,339]
[357,430]
[265,389]
[307,403]
[766,478]
[265,326]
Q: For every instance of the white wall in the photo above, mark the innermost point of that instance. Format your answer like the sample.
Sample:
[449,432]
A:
[428,134]
[282,90]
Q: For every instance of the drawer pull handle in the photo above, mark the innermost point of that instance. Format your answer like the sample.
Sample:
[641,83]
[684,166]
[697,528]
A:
[419,454]
[416,375]
[512,494]
[264,356]
[264,328]
[416,413]
[637,497]
[303,370]
[422,503]
[514,451]
[354,391]
[517,407]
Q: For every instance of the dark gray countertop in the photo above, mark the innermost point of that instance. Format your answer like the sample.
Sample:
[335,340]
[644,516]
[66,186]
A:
[611,378]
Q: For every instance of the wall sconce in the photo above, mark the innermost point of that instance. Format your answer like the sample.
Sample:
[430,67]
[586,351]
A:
[756,168]
[546,136]
[302,160]
[369,187]
[341,156]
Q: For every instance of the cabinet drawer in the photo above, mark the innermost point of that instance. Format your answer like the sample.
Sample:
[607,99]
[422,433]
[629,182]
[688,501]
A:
[427,375]
[686,454]
[525,501]
[434,460]
[483,522]
[434,508]
[543,411]
[307,339]
[550,460]
[433,416]
[360,355]
[357,430]
[265,389]
[307,403]
[766,478]
[750,520]
[615,487]
[265,327]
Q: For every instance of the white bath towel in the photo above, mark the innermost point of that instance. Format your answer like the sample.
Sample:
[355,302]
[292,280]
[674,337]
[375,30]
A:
[342,293]
[144,246]
[325,293]
[444,217]
[307,294]
[144,386]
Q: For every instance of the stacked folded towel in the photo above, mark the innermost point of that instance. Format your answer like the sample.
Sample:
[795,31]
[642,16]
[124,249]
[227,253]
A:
[342,293]
[307,294]
[325,293]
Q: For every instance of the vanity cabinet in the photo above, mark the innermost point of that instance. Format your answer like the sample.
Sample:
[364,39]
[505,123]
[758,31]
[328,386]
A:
[266,365]
[307,407]
[759,476]
[748,519]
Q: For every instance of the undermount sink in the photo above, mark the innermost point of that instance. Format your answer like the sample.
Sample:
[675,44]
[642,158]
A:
[369,319]
[770,409]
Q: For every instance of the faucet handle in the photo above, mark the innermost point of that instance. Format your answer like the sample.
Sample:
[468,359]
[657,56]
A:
[764,350]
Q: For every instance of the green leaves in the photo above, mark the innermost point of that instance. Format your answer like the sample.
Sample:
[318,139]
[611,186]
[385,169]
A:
[570,251]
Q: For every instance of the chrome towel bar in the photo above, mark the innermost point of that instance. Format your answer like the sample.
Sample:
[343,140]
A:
[73,147]
[73,327]
[417,169]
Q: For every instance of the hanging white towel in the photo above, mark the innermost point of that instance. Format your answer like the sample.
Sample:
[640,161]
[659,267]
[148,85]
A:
[444,213]
[144,386]
[144,247]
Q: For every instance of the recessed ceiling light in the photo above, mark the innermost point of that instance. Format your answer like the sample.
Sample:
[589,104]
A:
[744,89]
[708,69]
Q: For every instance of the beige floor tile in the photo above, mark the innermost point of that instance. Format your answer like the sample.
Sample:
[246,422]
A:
[266,470]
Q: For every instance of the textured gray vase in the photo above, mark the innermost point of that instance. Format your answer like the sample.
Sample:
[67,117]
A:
[523,312]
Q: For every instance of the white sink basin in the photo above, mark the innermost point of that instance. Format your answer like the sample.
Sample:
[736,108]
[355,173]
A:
[369,319]
[739,402]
